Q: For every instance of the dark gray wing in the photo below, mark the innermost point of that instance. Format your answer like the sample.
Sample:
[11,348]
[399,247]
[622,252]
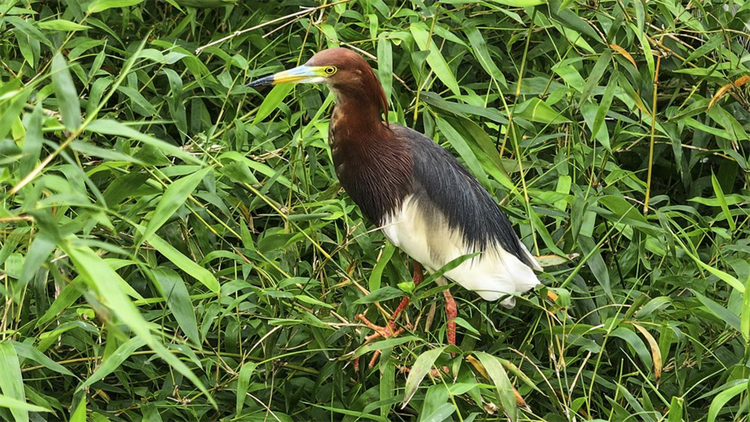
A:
[448,186]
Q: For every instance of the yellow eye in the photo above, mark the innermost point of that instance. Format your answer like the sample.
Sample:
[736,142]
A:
[330,70]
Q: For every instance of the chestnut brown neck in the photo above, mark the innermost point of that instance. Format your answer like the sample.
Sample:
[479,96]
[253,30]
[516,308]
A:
[373,166]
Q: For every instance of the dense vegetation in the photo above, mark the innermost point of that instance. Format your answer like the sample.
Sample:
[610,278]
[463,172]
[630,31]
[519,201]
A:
[175,245]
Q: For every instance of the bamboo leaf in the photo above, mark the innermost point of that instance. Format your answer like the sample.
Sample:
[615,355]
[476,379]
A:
[101,5]
[243,381]
[435,58]
[174,197]
[11,383]
[502,384]
[111,127]
[717,404]
[272,101]
[114,361]
[418,371]
[377,272]
[723,202]
[174,291]
[184,263]
[62,25]
[380,295]
[65,90]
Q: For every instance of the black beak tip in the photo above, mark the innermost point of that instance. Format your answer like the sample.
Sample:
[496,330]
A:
[268,80]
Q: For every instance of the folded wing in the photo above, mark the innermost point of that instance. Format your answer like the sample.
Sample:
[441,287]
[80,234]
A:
[449,214]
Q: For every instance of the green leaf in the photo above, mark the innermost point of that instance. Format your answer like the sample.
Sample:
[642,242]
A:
[9,116]
[745,317]
[377,272]
[174,291]
[29,352]
[675,409]
[11,382]
[62,25]
[111,127]
[462,147]
[630,337]
[422,367]
[102,5]
[110,286]
[272,100]
[722,313]
[183,262]
[601,112]
[454,263]
[602,65]
[596,263]
[440,414]
[65,90]
[18,407]
[384,344]
[38,252]
[385,65]
[479,46]
[312,301]
[79,415]
[67,297]
[243,381]
[32,143]
[723,202]
[571,20]
[725,277]
[113,361]
[722,398]
[499,377]
[104,280]
[520,3]
[435,58]
[537,110]
[174,197]
[274,174]
[384,293]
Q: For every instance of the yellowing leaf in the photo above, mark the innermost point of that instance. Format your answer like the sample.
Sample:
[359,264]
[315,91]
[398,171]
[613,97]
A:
[724,89]
[624,53]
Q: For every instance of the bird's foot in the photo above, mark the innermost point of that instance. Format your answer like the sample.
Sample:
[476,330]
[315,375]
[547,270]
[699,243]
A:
[388,331]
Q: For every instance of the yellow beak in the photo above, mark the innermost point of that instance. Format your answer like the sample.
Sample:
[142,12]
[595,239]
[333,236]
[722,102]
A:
[300,74]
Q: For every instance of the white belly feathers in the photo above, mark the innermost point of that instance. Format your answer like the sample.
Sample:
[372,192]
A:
[493,273]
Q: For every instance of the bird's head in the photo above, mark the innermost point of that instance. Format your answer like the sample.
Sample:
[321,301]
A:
[335,66]
[344,71]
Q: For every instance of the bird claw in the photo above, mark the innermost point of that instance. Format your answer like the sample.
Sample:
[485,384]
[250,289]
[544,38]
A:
[388,331]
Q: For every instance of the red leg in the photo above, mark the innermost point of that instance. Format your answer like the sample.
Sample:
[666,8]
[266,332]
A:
[417,277]
[390,329]
[451,312]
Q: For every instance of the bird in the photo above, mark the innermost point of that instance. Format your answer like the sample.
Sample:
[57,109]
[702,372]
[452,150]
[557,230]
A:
[422,198]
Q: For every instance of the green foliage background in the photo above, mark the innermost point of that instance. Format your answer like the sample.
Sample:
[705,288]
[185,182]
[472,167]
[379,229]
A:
[175,246]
